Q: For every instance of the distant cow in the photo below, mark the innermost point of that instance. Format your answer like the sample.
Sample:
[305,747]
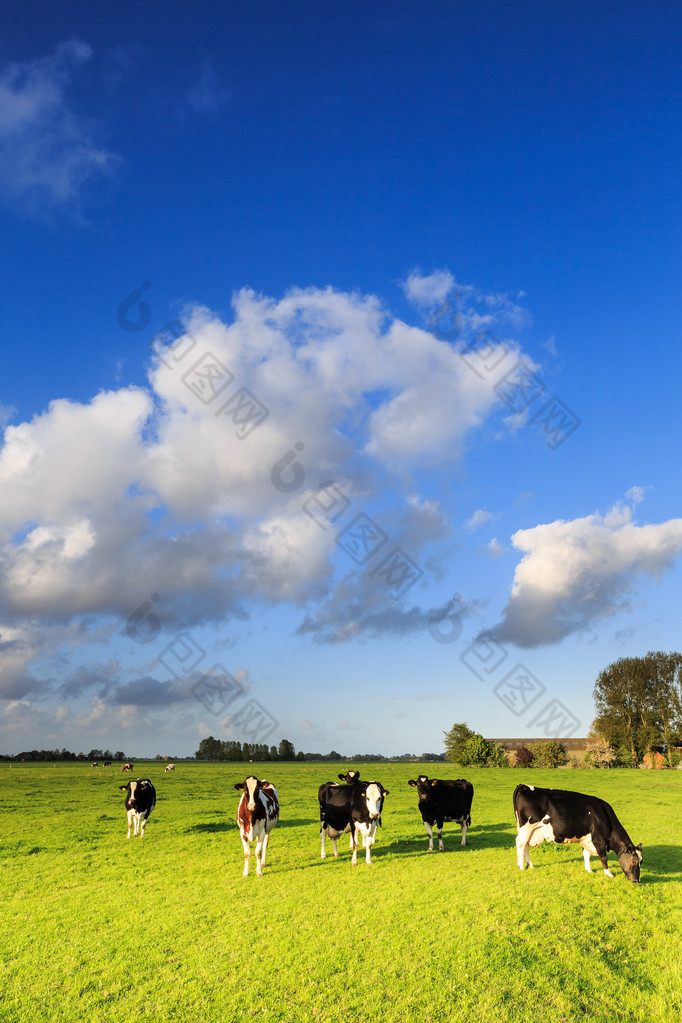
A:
[94,765]
[127,767]
[257,815]
[441,801]
[355,808]
[108,763]
[351,777]
[555,815]
[139,802]
[170,767]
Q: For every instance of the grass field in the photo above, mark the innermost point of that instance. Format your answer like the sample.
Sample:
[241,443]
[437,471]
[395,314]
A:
[98,929]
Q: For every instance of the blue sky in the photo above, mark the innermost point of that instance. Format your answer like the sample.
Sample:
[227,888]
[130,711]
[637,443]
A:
[390,233]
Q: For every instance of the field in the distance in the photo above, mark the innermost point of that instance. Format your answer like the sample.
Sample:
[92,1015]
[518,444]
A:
[103,930]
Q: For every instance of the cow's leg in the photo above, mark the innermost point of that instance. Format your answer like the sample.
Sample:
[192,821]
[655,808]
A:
[143,821]
[439,826]
[130,822]
[463,825]
[354,840]
[323,854]
[247,855]
[369,842]
[601,853]
[259,861]
[429,832]
[266,839]
[586,857]
[522,840]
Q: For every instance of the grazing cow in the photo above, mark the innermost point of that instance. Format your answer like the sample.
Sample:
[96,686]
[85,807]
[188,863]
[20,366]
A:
[444,801]
[257,815]
[127,767]
[169,767]
[140,801]
[107,763]
[555,815]
[94,765]
[355,808]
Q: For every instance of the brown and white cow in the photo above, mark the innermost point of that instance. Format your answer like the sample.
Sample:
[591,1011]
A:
[257,815]
[140,801]
[169,767]
[127,767]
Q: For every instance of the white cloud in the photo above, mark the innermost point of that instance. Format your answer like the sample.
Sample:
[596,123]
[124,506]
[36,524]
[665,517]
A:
[148,490]
[427,290]
[479,518]
[495,548]
[47,152]
[574,573]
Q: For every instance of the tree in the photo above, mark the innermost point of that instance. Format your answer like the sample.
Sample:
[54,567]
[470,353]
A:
[549,754]
[639,703]
[286,750]
[524,757]
[455,740]
[600,754]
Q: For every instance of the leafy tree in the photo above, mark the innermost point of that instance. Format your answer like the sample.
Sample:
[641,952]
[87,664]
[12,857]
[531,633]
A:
[549,754]
[524,757]
[601,754]
[639,704]
[455,740]
[286,750]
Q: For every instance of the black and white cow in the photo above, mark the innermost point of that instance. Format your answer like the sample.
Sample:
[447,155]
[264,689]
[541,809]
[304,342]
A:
[257,815]
[355,808]
[441,801]
[95,764]
[107,763]
[351,777]
[555,815]
[140,801]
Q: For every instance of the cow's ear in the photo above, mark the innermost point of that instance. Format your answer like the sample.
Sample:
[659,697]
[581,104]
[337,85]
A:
[413,784]
[434,781]
[123,787]
[385,792]
[239,785]
[342,777]
[638,850]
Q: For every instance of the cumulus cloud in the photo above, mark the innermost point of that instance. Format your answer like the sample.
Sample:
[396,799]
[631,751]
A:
[166,490]
[47,152]
[575,572]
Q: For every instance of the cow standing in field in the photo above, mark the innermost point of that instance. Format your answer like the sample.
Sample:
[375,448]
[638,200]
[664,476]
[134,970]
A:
[355,808]
[556,815]
[108,763]
[169,767]
[127,767]
[257,815]
[139,802]
[441,801]
[94,765]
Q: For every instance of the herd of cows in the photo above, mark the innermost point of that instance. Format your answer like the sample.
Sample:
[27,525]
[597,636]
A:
[354,807]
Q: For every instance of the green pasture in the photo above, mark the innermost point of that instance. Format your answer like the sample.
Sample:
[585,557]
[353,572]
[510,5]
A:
[98,929]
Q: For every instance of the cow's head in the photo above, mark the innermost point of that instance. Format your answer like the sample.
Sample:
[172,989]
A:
[133,791]
[423,786]
[350,777]
[250,789]
[374,797]
[630,859]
